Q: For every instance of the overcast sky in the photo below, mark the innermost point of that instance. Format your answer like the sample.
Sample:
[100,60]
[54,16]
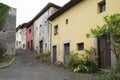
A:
[27,9]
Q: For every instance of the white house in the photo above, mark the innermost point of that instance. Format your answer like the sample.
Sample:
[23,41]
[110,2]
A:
[42,28]
[21,36]
[18,37]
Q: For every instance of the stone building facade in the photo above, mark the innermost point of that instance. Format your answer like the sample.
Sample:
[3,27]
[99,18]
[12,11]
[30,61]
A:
[42,28]
[7,34]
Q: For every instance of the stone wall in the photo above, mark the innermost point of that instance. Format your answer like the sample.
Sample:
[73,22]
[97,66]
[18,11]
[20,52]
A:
[7,34]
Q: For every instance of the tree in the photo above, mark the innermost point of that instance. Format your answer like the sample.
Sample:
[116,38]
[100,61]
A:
[111,29]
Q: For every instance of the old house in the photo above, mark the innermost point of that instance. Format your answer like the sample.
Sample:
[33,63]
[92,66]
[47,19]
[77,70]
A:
[42,29]
[29,36]
[70,25]
[18,37]
[21,36]
[7,31]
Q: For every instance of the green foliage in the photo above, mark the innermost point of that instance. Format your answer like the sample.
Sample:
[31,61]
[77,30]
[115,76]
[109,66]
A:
[43,57]
[117,69]
[86,67]
[81,65]
[91,54]
[3,13]
[100,31]
[6,57]
[47,54]
[111,29]
[112,75]
[107,76]
[72,61]
[38,55]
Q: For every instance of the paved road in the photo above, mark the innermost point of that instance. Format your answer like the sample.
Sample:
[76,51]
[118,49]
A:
[26,67]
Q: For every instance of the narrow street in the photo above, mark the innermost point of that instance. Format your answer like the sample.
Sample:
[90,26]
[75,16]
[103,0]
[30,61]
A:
[26,67]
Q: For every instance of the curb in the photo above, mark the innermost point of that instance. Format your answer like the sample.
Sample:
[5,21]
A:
[4,66]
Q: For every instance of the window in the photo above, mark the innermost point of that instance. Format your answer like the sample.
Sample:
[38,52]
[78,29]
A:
[101,6]
[3,30]
[80,46]
[56,30]
[36,28]
[46,46]
[16,43]
[66,21]
[40,25]
[19,42]
[29,30]
[23,45]
[46,22]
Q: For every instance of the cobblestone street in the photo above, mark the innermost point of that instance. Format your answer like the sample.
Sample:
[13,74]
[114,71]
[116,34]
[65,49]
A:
[26,67]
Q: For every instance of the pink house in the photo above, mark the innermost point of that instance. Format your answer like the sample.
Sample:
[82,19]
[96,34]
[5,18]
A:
[29,36]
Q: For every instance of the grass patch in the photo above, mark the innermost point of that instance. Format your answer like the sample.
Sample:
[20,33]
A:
[5,60]
[43,57]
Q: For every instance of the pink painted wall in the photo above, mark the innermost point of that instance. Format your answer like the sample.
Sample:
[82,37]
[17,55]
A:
[29,38]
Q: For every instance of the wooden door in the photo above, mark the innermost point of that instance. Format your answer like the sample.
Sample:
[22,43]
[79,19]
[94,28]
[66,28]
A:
[66,52]
[54,54]
[104,55]
[28,45]
[41,46]
[31,45]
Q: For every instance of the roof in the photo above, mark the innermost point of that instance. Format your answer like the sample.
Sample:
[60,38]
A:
[64,9]
[21,26]
[18,28]
[43,11]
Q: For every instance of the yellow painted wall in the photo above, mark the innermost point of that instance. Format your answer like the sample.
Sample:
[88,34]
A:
[81,18]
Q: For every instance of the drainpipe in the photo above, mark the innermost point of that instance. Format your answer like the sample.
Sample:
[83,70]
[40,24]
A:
[50,36]
[50,27]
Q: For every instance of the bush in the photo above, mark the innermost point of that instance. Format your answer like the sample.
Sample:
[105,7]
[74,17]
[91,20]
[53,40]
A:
[81,65]
[117,69]
[72,63]
[91,54]
[43,57]
[47,54]
[86,67]
[38,55]
[107,76]
[6,57]
[112,75]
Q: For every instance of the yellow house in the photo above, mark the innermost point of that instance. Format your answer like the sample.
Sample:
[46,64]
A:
[70,25]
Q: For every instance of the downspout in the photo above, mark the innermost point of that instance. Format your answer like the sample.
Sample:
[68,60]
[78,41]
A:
[50,27]
[50,30]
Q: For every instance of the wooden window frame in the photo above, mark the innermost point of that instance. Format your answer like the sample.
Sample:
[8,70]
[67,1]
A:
[80,46]
[29,30]
[56,30]
[66,21]
[102,6]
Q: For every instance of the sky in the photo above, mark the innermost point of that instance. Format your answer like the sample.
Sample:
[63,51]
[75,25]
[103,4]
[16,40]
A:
[27,9]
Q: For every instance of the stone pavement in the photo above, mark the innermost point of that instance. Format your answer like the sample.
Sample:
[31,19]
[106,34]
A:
[26,67]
